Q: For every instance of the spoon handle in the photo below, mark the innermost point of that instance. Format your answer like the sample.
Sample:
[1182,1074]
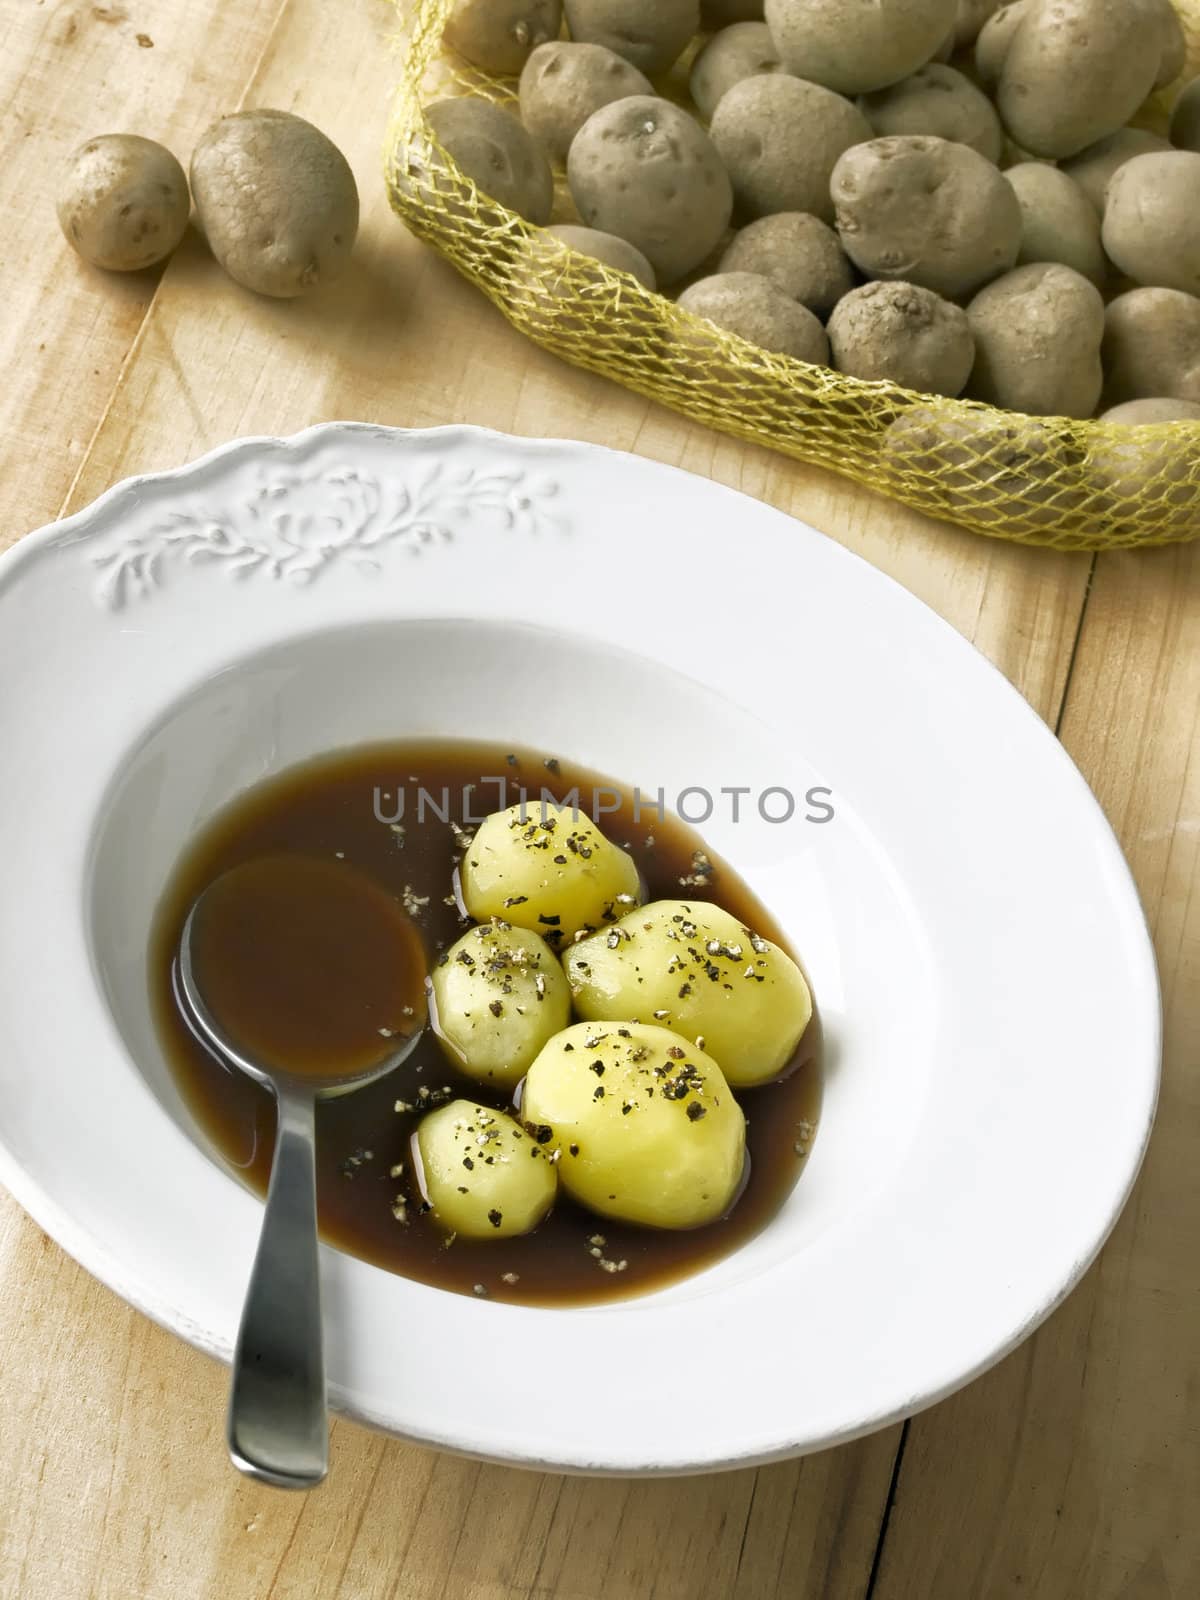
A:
[278,1430]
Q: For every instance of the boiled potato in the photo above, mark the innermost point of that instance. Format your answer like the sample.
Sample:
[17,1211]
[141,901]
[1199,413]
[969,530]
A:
[1037,342]
[643,1123]
[563,84]
[547,868]
[1152,220]
[498,35]
[1092,169]
[752,307]
[1058,222]
[799,254]
[940,101]
[482,1173]
[780,139]
[277,201]
[124,202]
[907,335]
[696,969]
[651,36]
[1152,346]
[606,247]
[854,49]
[643,169]
[930,212]
[496,152]
[498,995]
[1067,72]
[741,51]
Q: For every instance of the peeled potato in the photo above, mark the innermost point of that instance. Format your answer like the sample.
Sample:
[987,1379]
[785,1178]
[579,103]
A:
[484,1176]
[498,994]
[645,1125]
[547,868]
[692,967]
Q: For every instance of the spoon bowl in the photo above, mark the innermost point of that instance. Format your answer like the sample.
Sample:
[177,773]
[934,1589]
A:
[285,966]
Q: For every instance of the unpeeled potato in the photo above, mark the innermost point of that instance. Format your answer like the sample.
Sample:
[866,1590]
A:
[277,201]
[124,202]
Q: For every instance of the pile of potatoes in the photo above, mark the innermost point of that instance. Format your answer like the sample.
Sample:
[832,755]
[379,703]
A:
[275,198]
[942,194]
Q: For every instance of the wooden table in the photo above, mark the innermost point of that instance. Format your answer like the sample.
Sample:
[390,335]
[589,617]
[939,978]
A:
[1073,1469]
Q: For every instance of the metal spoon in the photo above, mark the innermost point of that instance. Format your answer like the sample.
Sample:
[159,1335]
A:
[277,1426]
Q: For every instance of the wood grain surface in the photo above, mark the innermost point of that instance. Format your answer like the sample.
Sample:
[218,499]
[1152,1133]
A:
[1071,1472]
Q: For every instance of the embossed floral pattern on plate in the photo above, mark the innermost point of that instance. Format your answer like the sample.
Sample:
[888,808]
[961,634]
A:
[298,524]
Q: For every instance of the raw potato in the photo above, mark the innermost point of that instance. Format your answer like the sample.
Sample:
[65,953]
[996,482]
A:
[646,171]
[547,868]
[928,211]
[752,307]
[1143,413]
[720,13]
[649,35]
[940,101]
[1174,44]
[742,51]
[972,14]
[1058,222]
[780,139]
[498,995]
[276,200]
[1037,342]
[606,247]
[994,39]
[1152,220]
[799,254]
[857,48]
[946,49]
[562,84]
[483,1174]
[983,461]
[1066,72]
[124,203]
[906,335]
[1152,346]
[498,35]
[1093,168]
[496,152]
[694,968]
[1143,479]
[1185,118]
[644,1124]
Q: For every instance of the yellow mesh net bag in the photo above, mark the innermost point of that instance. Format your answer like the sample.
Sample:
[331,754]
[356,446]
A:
[1034,480]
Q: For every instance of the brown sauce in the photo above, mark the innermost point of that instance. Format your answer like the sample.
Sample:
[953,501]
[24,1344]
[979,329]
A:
[343,808]
[307,966]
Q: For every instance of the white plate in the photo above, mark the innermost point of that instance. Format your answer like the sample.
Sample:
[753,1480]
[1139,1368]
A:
[970,927]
